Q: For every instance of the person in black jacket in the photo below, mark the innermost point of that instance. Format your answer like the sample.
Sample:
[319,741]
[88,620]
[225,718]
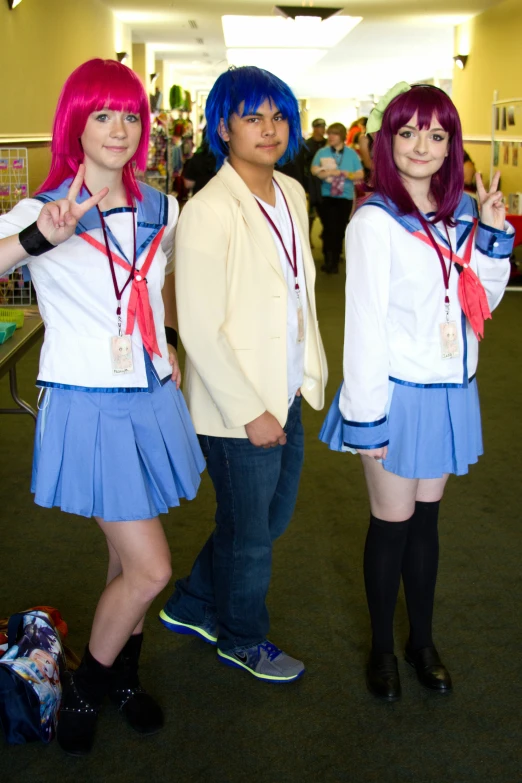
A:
[200,168]
[312,184]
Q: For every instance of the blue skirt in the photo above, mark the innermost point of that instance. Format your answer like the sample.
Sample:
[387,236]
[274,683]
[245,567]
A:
[432,431]
[120,457]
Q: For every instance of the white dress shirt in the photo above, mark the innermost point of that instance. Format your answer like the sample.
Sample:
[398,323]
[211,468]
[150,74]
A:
[295,350]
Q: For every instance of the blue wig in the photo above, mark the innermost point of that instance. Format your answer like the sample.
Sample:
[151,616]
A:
[251,86]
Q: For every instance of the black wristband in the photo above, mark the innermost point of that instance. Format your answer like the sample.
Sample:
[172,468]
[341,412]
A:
[33,241]
[172,336]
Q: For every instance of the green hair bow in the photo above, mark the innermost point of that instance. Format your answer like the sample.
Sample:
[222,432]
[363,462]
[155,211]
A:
[375,118]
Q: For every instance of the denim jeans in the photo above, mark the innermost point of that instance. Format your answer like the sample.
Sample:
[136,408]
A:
[256,490]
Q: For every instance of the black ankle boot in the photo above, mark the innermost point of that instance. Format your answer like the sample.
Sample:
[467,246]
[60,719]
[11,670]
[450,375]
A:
[327,262]
[143,714]
[334,264]
[82,697]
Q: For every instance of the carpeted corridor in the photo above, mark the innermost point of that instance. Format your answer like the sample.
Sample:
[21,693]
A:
[223,725]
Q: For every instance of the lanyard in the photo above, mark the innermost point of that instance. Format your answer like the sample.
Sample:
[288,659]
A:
[292,261]
[338,155]
[118,292]
[446,272]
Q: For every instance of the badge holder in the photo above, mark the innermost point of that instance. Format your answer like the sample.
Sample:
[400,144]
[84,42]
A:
[121,350]
[449,337]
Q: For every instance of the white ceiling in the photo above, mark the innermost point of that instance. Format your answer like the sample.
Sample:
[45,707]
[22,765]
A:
[396,40]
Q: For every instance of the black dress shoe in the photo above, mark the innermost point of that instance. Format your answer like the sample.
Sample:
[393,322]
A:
[431,672]
[382,676]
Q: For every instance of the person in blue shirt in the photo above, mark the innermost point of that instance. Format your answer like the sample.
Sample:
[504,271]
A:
[338,167]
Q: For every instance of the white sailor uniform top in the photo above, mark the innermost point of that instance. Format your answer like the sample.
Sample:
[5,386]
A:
[76,296]
[395,304]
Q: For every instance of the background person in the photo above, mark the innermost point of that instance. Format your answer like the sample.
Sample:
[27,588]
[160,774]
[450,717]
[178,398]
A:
[338,167]
[409,402]
[200,168]
[469,174]
[312,184]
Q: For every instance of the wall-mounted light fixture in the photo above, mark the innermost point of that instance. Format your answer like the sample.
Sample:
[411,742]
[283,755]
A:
[461,60]
[153,76]
[121,56]
[13,3]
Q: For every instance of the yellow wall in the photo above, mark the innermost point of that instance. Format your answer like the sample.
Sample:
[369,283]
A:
[41,42]
[493,41]
[161,81]
[331,110]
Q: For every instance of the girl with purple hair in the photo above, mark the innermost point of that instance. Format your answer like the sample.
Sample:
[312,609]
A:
[425,265]
[114,440]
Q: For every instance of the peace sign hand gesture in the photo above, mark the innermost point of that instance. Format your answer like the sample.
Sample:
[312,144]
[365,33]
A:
[491,203]
[58,219]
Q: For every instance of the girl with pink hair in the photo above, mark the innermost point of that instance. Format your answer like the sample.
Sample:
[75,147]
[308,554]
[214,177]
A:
[425,265]
[114,440]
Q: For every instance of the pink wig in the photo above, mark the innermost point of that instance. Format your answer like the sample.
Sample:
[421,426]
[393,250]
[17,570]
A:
[447,184]
[97,84]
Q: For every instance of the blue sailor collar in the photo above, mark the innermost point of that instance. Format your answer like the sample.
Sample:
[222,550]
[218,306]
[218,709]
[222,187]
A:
[153,214]
[464,216]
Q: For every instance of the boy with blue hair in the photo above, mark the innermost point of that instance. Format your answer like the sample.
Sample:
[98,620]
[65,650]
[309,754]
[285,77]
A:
[247,318]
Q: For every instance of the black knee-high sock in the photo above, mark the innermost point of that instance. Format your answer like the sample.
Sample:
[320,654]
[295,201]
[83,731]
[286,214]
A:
[419,572]
[383,555]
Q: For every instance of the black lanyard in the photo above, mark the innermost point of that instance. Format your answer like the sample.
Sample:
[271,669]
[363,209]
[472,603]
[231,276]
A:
[338,155]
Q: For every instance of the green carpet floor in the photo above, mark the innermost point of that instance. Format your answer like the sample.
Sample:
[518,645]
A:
[224,726]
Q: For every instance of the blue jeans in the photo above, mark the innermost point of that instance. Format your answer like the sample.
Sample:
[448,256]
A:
[256,490]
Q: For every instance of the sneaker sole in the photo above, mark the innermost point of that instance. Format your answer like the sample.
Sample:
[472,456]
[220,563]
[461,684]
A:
[228,661]
[186,629]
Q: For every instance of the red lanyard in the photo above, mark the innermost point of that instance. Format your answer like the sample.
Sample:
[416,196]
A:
[445,272]
[118,292]
[292,261]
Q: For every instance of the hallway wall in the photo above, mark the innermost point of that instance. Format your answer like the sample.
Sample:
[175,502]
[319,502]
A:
[493,41]
[41,43]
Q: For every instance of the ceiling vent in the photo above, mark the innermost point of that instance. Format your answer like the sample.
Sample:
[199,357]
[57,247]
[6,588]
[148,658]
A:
[200,41]
[193,24]
[293,11]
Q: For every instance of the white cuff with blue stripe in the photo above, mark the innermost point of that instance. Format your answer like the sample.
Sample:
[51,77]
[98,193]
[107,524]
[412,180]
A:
[366,434]
[493,242]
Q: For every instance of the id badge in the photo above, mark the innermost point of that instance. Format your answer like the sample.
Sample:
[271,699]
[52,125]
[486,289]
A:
[121,355]
[449,340]
[300,324]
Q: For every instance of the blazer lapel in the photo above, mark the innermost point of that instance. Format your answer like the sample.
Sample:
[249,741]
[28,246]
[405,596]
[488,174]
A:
[252,215]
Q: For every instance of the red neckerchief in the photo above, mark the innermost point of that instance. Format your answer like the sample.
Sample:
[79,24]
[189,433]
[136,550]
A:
[472,296]
[139,304]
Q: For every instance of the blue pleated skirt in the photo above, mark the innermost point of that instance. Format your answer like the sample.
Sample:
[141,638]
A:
[432,431]
[120,456]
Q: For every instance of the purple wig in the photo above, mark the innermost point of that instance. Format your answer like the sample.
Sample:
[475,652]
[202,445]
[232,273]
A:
[447,184]
[97,84]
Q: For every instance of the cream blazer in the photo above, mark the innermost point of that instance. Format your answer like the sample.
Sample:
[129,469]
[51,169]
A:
[232,302]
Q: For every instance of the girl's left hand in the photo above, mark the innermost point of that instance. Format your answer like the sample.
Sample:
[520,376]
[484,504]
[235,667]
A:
[491,203]
[173,361]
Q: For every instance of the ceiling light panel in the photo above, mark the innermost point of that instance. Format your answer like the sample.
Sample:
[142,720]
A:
[276,32]
[158,46]
[277,61]
[143,17]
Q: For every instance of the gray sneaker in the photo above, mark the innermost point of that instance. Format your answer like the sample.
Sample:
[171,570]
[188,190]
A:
[265,661]
[206,631]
